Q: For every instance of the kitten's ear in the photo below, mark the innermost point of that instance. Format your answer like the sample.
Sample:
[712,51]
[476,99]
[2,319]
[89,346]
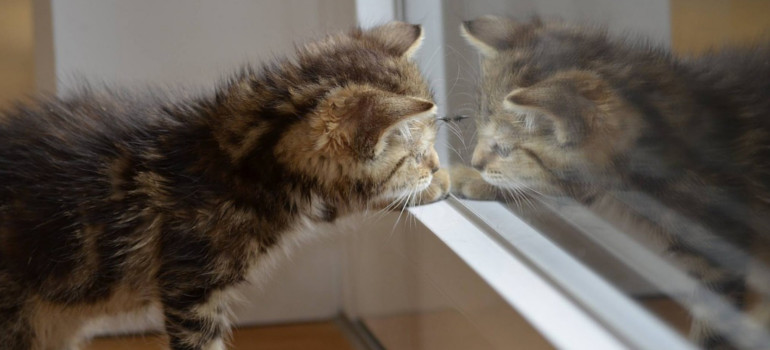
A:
[382,113]
[571,100]
[489,34]
[403,39]
[360,118]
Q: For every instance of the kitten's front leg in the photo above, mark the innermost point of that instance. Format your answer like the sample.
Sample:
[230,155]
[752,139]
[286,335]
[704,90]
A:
[194,318]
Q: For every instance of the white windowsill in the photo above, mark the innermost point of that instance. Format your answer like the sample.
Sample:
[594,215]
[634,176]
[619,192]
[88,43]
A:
[524,274]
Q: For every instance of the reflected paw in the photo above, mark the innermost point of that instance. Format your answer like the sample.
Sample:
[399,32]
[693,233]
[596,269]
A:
[468,183]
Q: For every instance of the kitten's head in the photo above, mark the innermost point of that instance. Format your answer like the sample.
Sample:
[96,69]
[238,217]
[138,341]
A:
[357,120]
[548,121]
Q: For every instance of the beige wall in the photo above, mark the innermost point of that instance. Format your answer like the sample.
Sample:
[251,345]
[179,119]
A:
[181,42]
[697,25]
[17,77]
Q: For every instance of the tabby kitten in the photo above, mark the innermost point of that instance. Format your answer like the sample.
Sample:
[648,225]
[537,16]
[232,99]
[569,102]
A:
[111,203]
[568,110]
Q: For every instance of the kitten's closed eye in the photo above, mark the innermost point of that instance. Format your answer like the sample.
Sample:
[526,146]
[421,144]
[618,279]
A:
[502,150]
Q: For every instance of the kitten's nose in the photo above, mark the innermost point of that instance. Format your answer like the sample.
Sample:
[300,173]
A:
[434,169]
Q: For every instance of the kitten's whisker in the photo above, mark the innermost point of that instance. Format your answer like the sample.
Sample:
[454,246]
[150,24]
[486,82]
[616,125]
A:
[430,60]
[454,84]
[403,202]
[471,67]
[412,201]
[381,212]
[396,202]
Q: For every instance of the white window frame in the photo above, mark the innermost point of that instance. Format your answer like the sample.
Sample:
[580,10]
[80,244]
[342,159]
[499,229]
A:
[568,303]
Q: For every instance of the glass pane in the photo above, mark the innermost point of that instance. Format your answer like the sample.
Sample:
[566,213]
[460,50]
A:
[633,134]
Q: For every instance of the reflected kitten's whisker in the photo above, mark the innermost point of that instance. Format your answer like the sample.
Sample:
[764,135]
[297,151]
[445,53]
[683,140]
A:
[466,110]
[455,130]
[525,197]
[459,155]
[509,193]
[458,132]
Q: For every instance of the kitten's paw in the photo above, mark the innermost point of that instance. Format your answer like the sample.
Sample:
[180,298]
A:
[436,191]
[468,183]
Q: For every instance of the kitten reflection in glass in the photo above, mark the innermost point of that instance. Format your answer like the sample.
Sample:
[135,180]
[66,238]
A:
[568,110]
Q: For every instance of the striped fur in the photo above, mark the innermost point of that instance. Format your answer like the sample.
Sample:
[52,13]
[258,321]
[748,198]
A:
[570,110]
[113,202]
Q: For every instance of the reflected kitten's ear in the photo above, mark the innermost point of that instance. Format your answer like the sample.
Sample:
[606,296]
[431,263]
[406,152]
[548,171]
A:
[361,117]
[403,39]
[570,99]
[489,34]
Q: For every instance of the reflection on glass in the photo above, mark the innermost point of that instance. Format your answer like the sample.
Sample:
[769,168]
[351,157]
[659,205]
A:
[671,152]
